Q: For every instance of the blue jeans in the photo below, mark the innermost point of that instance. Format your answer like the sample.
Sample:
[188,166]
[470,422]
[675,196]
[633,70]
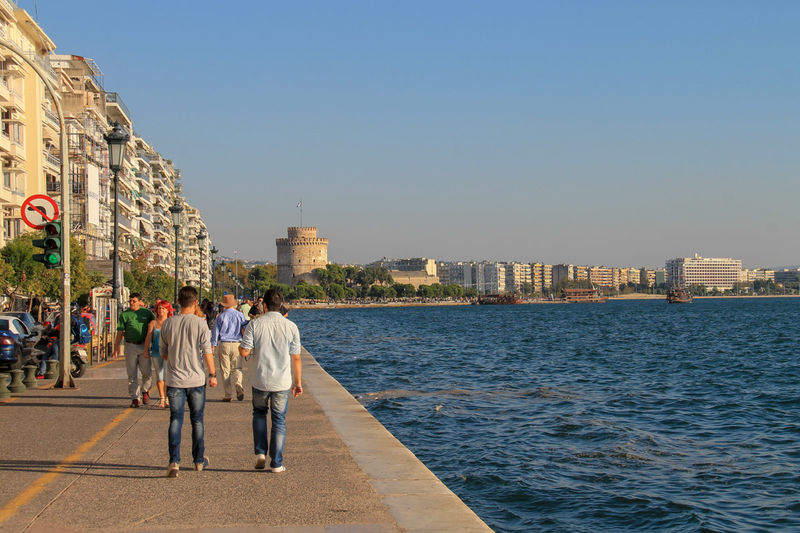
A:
[263,401]
[197,402]
[50,353]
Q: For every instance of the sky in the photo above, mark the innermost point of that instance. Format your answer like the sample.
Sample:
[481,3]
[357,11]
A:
[607,133]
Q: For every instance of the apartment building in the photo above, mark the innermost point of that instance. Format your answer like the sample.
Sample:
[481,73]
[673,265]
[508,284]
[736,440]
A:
[25,151]
[30,154]
[603,276]
[414,264]
[83,104]
[562,272]
[518,277]
[457,272]
[787,275]
[760,274]
[719,273]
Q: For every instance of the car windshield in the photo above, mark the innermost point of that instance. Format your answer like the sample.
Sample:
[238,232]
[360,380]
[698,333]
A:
[25,317]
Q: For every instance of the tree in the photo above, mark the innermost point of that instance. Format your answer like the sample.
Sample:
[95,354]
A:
[376,291]
[22,276]
[146,278]
[262,277]
[336,292]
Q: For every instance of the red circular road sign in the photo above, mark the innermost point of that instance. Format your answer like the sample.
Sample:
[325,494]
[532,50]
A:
[38,210]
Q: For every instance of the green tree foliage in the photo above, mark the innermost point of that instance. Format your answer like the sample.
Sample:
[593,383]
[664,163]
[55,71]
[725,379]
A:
[147,279]
[22,276]
[260,278]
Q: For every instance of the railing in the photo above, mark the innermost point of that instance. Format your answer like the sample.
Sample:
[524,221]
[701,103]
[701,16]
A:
[53,160]
[44,63]
[125,221]
[125,201]
[52,117]
[144,155]
[114,98]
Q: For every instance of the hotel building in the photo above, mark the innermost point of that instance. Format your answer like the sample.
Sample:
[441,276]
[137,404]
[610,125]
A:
[719,273]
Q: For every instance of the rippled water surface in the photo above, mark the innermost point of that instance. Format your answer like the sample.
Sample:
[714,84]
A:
[632,415]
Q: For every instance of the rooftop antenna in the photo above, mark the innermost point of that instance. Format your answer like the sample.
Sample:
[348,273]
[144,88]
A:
[36,10]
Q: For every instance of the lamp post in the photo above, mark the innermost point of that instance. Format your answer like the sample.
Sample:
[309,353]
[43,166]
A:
[236,275]
[214,253]
[117,140]
[201,242]
[176,209]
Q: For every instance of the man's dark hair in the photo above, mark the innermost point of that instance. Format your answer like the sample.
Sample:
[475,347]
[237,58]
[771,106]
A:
[187,296]
[273,300]
[136,295]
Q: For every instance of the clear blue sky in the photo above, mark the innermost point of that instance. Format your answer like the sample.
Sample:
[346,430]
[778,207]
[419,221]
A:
[616,133]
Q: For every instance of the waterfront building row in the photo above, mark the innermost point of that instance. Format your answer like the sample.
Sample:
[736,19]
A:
[30,158]
[493,277]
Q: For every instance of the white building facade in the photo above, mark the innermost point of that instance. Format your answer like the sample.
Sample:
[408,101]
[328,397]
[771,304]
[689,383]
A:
[713,273]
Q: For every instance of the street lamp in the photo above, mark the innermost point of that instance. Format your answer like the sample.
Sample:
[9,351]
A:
[214,253]
[201,242]
[176,209]
[117,140]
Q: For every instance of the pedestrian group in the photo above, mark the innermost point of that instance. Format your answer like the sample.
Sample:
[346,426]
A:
[180,349]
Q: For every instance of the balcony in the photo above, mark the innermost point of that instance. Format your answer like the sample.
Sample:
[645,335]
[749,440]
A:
[53,160]
[43,62]
[125,223]
[125,201]
[114,98]
[52,118]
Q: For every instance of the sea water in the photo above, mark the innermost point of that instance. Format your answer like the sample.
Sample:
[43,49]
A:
[629,415]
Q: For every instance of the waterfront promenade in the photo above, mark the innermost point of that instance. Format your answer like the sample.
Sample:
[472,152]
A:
[82,460]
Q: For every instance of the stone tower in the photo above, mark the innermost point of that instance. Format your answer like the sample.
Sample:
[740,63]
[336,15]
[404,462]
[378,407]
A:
[300,254]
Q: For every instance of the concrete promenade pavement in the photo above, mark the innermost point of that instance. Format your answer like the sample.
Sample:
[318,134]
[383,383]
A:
[82,460]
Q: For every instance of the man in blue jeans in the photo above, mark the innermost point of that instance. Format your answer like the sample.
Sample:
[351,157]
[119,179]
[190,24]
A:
[275,370]
[185,342]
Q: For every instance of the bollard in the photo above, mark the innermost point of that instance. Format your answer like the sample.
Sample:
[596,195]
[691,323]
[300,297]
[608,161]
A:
[52,369]
[4,392]
[17,385]
[30,375]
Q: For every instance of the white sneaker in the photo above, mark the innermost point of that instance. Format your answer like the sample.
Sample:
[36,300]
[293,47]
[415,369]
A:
[261,461]
[277,469]
[172,471]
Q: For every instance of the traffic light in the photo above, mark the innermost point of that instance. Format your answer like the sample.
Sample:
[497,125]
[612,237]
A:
[51,246]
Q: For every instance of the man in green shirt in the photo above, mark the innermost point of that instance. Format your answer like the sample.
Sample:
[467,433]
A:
[132,325]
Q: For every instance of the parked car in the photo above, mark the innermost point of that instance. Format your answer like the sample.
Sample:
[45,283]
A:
[26,319]
[16,342]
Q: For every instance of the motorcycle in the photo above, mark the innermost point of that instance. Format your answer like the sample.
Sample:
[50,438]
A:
[79,359]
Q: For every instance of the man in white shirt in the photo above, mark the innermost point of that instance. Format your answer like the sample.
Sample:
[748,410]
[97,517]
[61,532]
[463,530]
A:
[275,370]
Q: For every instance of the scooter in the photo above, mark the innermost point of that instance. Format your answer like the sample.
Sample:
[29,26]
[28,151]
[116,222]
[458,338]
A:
[79,359]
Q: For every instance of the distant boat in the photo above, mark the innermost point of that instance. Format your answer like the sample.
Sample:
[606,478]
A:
[583,296]
[498,299]
[677,295]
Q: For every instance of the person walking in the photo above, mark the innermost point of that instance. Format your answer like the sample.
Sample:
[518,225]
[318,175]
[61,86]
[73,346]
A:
[152,350]
[245,307]
[225,338]
[132,326]
[275,370]
[184,346]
